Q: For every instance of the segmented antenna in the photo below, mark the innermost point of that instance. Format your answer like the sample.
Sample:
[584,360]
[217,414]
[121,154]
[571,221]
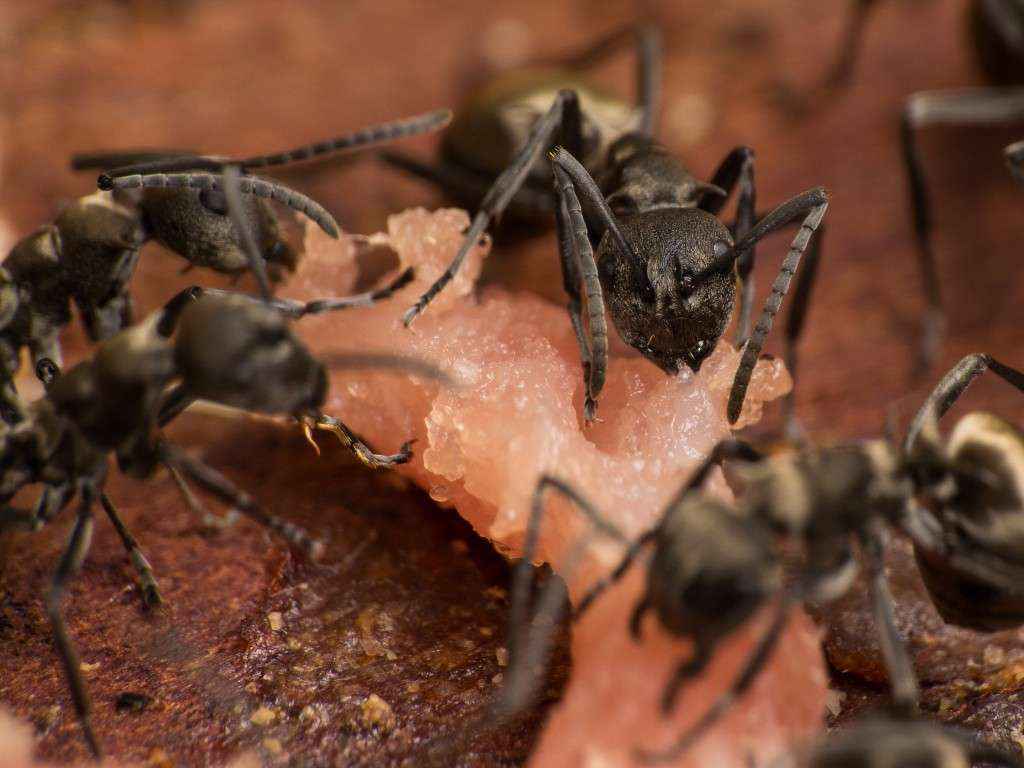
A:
[364,137]
[247,185]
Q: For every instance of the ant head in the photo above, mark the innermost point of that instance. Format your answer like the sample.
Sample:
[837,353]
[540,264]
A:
[239,352]
[711,569]
[196,225]
[678,318]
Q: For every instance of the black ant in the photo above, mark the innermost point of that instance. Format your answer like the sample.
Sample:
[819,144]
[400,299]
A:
[229,348]
[646,234]
[997,35]
[715,564]
[88,254]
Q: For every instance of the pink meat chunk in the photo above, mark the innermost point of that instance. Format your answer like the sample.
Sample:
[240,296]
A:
[515,414]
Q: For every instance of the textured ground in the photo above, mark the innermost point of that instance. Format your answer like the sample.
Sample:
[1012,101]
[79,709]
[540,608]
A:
[233,77]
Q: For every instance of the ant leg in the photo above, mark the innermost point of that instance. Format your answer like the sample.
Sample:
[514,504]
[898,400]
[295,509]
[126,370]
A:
[902,678]
[1015,160]
[468,188]
[213,182]
[297,309]
[812,205]
[729,448]
[748,673]
[795,326]
[175,403]
[838,77]
[501,193]
[209,520]
[147,581]
[579,267]
[214,482]
[948,391]
[233,196]
[78,546]
[974,106]
[738,167]
[646,40]
[353,442]
[522,577]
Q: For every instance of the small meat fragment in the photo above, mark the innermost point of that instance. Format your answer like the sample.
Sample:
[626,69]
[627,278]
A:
[517,414]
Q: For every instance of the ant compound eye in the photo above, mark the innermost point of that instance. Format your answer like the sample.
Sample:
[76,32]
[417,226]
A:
[623,204]
[720,249]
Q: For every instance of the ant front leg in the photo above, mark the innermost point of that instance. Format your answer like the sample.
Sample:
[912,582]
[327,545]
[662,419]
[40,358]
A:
[812,206]
[353,442]
[579,268]
[975,106]
[501,193]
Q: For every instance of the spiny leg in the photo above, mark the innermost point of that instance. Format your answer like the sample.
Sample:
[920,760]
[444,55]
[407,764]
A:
[298,309]
[214,482]
[147,581]
[738,167]
[501,193]
[594,350]
[1015,160]
[812,205]
[247,185]
[976,106]
[795,323]
[78,546]
[751,668]
[353,442]
[591,196]
[902,678]
[951,387]
[571,284]
[364,137]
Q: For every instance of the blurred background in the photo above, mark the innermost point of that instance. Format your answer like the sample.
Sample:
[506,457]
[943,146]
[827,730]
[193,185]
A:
[241,77]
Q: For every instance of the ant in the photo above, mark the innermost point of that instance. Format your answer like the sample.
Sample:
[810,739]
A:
[715,564]
[233,349]
[89,253]
[644,240]
[996,30]
[882,739]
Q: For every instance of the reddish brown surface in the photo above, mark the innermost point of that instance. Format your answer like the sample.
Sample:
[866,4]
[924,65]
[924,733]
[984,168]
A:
[406,605]
[241,77]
